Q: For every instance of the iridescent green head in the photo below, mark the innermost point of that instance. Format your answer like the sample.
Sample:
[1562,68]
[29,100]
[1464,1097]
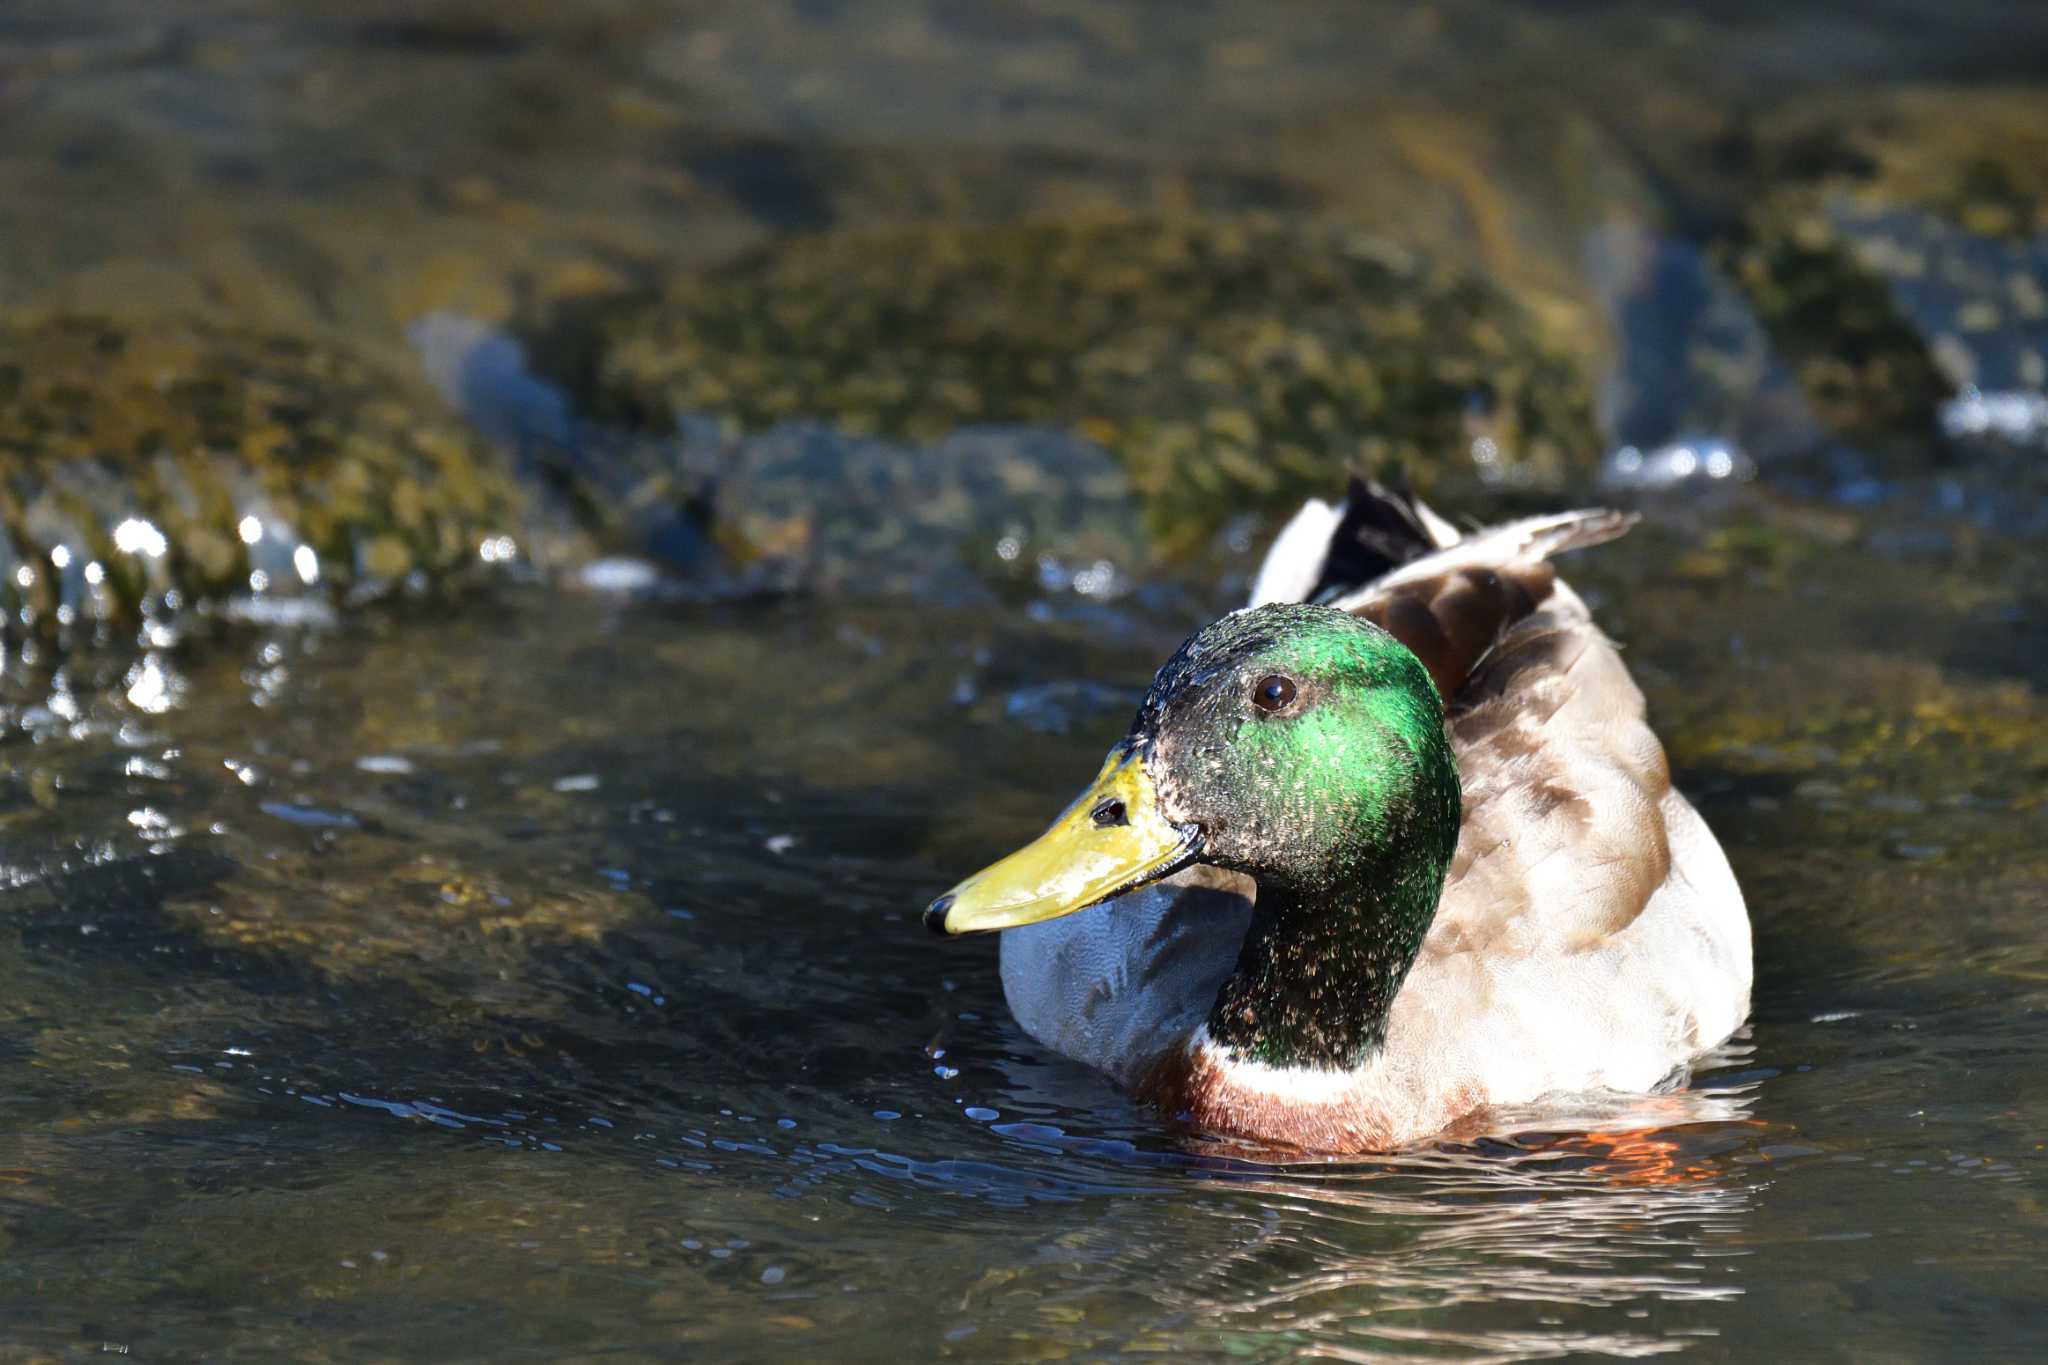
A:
[1294,743]
[1304,743]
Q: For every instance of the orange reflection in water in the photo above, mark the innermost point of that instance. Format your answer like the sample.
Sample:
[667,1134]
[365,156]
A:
[1657,1155]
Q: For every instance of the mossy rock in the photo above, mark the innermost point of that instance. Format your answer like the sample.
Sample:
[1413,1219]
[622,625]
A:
[1230,365]
[1866,369]
[134,458]
[1889,242]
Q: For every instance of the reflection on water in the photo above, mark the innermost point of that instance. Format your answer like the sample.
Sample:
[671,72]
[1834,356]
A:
[1527,1232]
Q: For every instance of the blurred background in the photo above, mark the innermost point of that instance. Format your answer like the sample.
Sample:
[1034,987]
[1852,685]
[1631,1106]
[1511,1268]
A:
[534,536]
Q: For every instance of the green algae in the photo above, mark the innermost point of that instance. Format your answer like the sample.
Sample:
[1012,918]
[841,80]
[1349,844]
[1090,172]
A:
[1921,731]
[184,462]
[1228,364]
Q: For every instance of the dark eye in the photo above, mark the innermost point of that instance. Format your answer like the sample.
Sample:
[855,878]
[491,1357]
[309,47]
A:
[1272,693]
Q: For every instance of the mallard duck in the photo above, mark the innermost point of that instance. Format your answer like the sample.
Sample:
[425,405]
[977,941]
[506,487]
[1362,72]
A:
[1389,848]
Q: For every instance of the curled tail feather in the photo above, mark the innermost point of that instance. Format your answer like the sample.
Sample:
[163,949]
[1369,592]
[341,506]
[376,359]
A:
[1384,555]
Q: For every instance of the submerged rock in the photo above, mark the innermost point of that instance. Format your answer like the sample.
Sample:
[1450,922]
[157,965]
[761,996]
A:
[1228,365]
[181,463]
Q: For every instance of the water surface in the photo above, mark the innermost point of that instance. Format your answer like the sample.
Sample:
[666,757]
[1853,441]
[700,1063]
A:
[548,980]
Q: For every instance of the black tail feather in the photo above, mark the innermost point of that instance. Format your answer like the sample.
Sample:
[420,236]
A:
[1380,530]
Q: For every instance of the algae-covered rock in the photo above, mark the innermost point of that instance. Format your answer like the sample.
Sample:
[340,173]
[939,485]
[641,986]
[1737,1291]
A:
[1863,365]
[1230,365]
[181,462]
[1892,244]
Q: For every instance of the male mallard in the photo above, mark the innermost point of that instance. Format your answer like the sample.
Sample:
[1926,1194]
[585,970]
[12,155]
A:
[1408,958]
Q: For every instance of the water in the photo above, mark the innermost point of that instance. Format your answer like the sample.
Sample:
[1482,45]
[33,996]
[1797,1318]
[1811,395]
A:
[547,981]
[538,975]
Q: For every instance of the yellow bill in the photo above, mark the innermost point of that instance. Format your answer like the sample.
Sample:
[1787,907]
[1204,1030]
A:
[1112,840]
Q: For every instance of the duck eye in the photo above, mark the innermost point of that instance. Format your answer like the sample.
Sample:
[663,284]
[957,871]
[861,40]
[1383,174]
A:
[1272,693]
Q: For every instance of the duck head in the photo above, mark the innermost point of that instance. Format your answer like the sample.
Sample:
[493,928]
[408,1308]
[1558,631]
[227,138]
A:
[1298,744]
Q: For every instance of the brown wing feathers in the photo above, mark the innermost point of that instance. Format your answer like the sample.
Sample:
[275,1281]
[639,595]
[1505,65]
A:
[1449,603]
[1451,620]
